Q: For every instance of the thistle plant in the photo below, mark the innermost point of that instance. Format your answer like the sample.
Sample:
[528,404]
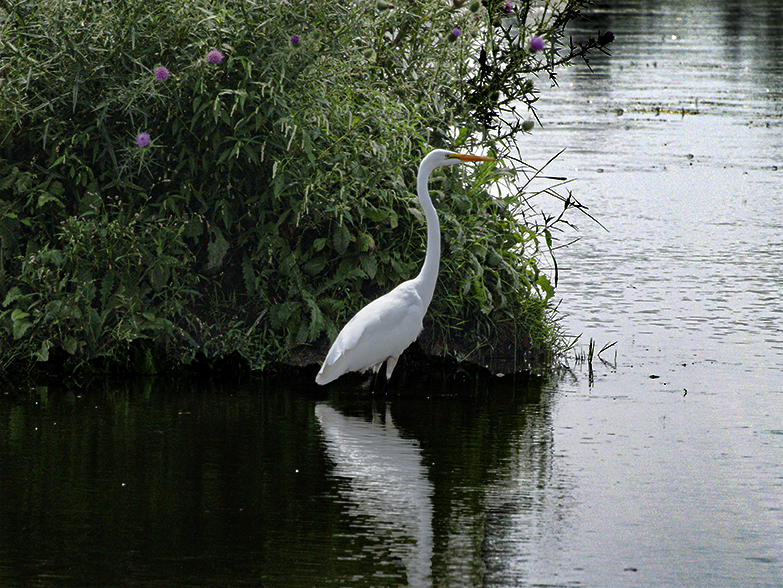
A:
[262,153]
[215,57]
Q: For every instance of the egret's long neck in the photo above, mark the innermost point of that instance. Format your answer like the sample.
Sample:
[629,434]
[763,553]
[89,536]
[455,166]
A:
[429,271]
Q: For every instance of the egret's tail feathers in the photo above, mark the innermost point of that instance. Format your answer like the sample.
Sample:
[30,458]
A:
[334,368]
[327,374]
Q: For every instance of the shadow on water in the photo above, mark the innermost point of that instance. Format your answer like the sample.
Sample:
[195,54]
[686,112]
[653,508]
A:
[159,483]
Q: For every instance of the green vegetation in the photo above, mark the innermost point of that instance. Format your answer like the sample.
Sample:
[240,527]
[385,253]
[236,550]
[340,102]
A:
[236,176]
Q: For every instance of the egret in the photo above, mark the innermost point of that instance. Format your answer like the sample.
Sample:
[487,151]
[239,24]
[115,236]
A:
[384,328]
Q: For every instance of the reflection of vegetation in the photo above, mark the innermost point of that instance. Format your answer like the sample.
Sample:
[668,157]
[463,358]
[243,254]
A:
[158,482]
[496,450]
[153,481]
[242,203]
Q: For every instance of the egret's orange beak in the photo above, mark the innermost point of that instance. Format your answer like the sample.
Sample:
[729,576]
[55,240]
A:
[469,157]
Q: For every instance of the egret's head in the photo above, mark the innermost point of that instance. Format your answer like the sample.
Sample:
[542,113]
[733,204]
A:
[441,157]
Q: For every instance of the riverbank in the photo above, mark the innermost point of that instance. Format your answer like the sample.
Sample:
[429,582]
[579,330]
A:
[425,360]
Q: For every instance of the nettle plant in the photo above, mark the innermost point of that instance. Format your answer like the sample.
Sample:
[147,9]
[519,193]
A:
[242,172]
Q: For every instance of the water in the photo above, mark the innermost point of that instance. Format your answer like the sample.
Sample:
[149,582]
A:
[673,447]
[160,483]
[661,466]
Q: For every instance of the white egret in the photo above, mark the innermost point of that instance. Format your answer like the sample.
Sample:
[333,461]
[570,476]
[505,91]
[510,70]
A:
[383,329]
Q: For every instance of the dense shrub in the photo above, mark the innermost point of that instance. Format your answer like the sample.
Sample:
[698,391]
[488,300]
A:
[237,175]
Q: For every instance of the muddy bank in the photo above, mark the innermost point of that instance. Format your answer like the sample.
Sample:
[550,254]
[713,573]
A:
[425,362]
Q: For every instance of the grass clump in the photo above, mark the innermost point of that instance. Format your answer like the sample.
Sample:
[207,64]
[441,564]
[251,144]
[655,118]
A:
[237,176]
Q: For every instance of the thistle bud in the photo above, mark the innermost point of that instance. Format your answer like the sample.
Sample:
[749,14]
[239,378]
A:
[528,125]
[606,38]
[384,5]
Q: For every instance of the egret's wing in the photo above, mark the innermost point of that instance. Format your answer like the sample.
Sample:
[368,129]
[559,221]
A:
[386,313]
[382,329]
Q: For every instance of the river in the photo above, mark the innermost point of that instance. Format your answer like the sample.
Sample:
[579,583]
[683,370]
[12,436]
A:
[659,463]
[673,447]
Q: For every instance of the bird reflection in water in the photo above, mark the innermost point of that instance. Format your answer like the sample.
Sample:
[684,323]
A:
[387,484]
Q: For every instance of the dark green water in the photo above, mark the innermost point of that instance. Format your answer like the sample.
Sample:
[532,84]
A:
[180,484]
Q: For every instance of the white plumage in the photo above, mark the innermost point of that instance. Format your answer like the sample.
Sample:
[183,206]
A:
[383,329]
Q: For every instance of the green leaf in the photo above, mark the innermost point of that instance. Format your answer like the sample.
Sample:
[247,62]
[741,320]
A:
[20,323]
[370,265]
[315,265]
[545,285]
[282,312]
[417,213]
[70,345]
[216,249]
[13,295]
[377,215]
[19,315]
[249,275]
[279,184]
[307,145]
[365,242]
[44,198]
[340,239]
[43,352]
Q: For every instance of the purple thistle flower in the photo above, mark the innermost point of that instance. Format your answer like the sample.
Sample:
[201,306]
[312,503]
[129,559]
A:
[509,6]
[536,44]
[161,73]
[215,57]
[456,32]
[143,139]
[294,40]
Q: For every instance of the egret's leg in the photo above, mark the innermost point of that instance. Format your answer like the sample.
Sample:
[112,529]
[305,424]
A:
[390,365]
[375,371]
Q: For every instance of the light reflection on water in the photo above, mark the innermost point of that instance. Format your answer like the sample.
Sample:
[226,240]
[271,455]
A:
[692,196]
[672,448]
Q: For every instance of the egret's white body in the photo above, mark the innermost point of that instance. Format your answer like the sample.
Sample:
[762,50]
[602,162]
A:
[383,329]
